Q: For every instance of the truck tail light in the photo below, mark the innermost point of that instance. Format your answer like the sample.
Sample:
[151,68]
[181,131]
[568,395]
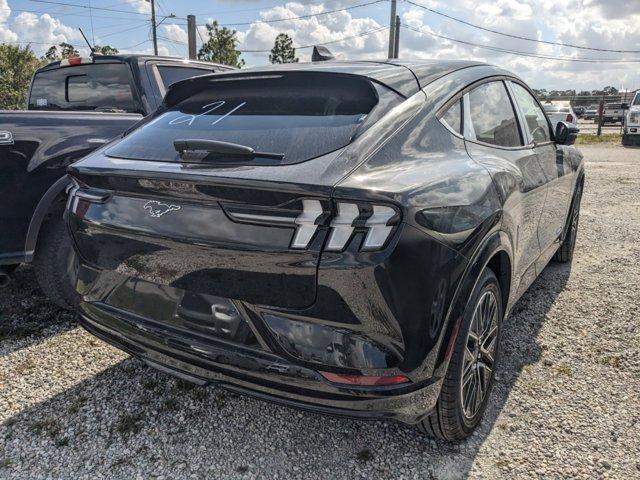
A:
[569,118]
[70,62]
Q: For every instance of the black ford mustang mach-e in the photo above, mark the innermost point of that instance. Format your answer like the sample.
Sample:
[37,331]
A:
[345,237]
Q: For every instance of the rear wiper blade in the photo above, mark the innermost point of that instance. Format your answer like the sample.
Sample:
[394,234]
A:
[205,149]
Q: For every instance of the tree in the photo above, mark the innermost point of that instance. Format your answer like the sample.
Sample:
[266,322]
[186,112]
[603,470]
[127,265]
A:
[283,51]
[221,46]
[17,65]
[58,52]
[106,50]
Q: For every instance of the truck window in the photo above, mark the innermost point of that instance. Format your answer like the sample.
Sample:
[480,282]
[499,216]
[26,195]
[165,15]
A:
[172,74]
[89,87]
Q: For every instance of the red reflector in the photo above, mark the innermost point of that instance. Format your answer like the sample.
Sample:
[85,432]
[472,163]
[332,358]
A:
[364,379]
[570,118]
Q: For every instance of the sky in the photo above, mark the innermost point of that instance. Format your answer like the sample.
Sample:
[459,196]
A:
[361,33]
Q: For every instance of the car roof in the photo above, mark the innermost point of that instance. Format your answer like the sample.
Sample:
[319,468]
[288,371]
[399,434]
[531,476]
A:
[406,77]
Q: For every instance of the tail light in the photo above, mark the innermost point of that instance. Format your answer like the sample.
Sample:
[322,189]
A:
[365,380]
[569,118]
[377,220]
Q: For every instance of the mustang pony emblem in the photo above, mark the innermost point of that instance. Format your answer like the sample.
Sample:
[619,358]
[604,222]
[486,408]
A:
[157,209]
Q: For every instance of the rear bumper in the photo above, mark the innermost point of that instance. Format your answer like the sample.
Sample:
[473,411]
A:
[256,373]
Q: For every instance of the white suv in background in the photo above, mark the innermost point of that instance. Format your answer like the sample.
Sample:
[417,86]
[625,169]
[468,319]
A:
[631,132]
[560,112]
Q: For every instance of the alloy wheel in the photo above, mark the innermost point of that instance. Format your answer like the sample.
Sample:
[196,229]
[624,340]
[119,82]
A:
[479,354]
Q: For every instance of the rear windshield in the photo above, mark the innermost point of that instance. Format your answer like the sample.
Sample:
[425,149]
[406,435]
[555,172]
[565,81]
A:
[301,115]
[102,87]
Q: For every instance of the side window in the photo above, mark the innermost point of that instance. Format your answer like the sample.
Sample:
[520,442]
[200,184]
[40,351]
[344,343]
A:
[535,118]
[453,117]
[170,74]
[492,116]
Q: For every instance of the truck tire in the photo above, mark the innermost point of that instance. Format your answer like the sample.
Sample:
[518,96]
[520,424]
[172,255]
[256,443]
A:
[54,258]
[451,420]
[627,141]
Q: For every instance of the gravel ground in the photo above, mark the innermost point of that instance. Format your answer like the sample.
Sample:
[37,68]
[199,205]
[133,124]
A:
[566,402]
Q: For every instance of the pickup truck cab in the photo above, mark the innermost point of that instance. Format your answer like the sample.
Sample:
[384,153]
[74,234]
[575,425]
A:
[613,112]
[74,106]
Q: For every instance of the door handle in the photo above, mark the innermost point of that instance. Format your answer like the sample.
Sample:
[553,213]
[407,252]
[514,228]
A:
[6,138]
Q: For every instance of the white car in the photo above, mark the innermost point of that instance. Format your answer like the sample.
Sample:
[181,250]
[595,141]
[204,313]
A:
[631,132]
[560,112]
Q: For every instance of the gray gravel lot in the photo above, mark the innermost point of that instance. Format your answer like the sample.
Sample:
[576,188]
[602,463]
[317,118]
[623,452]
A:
[566,402]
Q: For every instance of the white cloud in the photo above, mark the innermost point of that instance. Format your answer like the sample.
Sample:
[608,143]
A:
[141,6]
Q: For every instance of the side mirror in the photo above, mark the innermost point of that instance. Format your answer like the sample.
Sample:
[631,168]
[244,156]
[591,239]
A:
[566,134]
[625,106]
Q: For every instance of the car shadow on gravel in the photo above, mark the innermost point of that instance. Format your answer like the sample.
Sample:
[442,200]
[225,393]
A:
[27,317]
[130,420]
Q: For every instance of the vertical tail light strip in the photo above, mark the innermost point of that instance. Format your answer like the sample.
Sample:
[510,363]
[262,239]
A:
[306,223]
[342,225]
[378,230]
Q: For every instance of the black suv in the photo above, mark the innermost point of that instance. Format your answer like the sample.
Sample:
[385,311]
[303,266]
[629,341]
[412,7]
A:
[341,237]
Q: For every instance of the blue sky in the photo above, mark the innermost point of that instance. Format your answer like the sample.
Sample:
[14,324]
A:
[124,24]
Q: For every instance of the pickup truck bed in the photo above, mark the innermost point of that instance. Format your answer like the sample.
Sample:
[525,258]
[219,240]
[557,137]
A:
[44,144]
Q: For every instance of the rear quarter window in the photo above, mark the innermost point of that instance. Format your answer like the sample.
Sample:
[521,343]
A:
[301,115]
[90,87]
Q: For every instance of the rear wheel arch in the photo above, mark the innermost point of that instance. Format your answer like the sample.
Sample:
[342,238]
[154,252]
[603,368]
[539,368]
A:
[495,252]
[49,202]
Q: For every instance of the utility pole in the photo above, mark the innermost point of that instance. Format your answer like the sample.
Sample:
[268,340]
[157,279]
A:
[154,26]
[191,36]
[392,30]
[396,39]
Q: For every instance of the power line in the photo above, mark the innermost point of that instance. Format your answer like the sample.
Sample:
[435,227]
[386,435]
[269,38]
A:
[361,34]
[519,37]
[521,53]
[94,8]
[301,17]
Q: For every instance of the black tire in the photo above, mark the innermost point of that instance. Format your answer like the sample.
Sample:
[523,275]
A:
[565,251]
[54,259]
[627,141]
[450,421]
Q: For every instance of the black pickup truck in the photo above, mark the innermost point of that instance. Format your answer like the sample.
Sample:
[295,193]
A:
[74,106]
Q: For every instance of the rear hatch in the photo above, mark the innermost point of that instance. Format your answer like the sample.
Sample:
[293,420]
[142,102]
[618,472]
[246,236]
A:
[226,192]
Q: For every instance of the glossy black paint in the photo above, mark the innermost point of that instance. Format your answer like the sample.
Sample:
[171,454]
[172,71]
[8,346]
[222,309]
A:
[462,205]
[45,143]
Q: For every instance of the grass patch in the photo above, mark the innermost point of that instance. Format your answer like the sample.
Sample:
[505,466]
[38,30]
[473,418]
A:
[77,404]
[62,442]
[129,424]
[593,139]
[5,463]
[170,405]
[364,455]
[25,366]
[564,369]
[46,427]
